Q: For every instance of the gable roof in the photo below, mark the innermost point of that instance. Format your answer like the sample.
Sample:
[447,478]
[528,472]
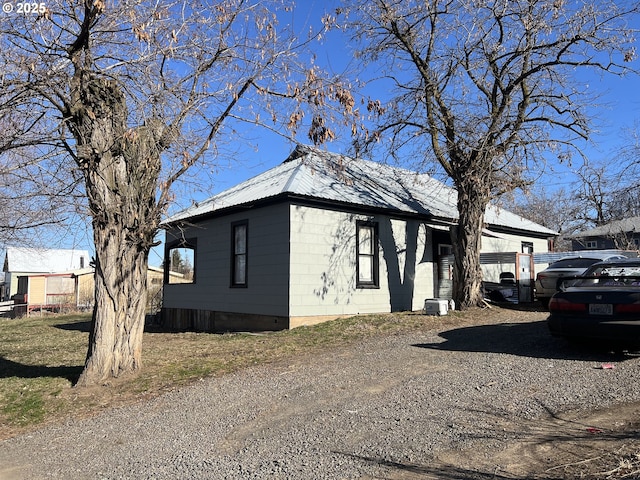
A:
[44,260]
[316,174]
[626,225]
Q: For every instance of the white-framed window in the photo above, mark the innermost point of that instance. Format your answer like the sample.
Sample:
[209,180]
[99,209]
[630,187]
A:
[592,244]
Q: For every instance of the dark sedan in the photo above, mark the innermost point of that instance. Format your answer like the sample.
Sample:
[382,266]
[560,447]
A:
[602,305]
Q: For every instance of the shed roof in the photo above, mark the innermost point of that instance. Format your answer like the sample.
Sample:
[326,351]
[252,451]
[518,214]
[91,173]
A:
[44,260]
[317,174]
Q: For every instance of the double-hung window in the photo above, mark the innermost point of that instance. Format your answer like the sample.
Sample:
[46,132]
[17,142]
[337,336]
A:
[239,251]
[367,263]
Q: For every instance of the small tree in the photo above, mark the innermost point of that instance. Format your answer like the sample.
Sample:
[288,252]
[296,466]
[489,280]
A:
[486,90]
[128,97]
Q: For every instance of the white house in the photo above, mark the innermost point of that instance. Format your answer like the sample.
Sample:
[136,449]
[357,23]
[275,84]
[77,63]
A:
[25,261]
[319,237]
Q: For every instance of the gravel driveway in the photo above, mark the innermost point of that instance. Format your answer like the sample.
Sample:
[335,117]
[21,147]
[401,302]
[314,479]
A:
[440,404]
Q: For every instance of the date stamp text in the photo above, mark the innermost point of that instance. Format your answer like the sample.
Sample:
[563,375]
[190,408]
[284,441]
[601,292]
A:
[25,8]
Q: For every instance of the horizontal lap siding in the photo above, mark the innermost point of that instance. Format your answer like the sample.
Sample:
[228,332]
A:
[267,290]
[323,259]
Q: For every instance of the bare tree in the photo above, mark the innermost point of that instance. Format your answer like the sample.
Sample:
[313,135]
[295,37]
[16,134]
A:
[605,195]
[484,88]
[558,210]
[35,198]
[131,95]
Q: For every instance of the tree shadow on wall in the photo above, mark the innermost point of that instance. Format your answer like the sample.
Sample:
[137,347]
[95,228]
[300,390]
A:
[399,257]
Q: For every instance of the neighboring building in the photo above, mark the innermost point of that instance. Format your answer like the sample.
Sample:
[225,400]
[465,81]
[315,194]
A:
[22,261]
[155,281]
[319,237]
[65,291]
[620,234]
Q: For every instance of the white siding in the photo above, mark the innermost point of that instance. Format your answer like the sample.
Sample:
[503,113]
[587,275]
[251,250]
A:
[268,275]
[323,258]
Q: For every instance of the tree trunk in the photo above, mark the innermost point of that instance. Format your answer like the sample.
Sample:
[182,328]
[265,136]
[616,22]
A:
[121,167]
[115,343]
[466,238]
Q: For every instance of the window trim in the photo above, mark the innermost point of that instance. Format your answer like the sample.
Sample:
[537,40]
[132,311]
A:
[591,244]
[234,255]
[190,243]
[375,255]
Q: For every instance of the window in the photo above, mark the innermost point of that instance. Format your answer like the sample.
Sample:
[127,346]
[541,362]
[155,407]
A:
[180,261]
[592,244]
[527,247]
[239,250]
[367,263]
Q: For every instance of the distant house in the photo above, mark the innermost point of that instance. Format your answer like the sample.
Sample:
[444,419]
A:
[322,236]
[620,234]
[55,279]
[40,262]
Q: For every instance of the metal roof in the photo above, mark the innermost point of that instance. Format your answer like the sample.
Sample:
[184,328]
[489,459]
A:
[44,260]
[318,174]
[626,225]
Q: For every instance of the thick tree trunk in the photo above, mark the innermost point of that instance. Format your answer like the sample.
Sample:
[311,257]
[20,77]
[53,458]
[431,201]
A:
[121,167]
[115,343]
[466,238]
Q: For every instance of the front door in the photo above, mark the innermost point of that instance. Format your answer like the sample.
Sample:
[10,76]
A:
[524,277]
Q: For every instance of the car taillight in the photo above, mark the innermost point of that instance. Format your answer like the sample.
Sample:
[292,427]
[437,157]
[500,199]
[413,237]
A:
[628,308]
[563,305]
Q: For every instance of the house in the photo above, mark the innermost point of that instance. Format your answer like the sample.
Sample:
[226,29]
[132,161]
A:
[23,261]
[318,237]
[41,280]
[620,234]
[65,291]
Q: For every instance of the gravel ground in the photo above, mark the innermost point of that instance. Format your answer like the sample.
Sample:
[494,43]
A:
[390,407]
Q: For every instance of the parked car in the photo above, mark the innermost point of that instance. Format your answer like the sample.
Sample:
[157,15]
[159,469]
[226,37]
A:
[547,280]
[603,304]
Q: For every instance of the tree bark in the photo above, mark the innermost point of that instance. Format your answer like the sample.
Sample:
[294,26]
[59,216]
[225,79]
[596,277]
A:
[115,342]
[121,167]
[466,238]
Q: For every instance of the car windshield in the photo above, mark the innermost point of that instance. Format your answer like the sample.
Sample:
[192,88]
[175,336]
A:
[611,275]
[574,263]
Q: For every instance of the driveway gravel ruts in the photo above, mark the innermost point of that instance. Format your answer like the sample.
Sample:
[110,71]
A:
[446,403]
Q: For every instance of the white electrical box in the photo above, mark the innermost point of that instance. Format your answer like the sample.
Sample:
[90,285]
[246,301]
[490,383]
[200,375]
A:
[436,306]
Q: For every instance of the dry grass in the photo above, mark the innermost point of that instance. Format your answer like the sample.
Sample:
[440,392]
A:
[41,357]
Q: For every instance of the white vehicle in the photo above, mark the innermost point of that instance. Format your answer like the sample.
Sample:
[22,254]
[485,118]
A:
[547,279]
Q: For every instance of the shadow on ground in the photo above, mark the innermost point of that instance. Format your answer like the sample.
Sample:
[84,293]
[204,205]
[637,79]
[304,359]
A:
[9,368]
[523,339]
[75,326]
[433,470]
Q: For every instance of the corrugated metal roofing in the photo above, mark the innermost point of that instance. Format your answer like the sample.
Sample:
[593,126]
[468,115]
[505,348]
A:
[318,174]
[44,260]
